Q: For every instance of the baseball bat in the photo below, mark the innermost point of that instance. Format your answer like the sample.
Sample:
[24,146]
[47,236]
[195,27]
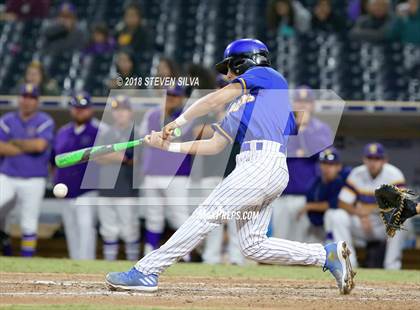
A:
[83,155]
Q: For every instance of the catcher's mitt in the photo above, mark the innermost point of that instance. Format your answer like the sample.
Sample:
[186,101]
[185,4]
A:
[396,205]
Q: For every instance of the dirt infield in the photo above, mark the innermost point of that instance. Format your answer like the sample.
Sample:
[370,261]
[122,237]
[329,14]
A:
[205,293]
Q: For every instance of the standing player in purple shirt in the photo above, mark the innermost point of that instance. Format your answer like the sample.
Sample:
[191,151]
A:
[78,216]
[118,210]
[259,117]
[165,174]
[25,139]
[313,135]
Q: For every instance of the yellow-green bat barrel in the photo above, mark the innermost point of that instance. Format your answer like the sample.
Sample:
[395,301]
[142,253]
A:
[80,156]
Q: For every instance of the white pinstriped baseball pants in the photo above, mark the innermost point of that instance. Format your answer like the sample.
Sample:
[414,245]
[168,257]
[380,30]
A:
[259,177]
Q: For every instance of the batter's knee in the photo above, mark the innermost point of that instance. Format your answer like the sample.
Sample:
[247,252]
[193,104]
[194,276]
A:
[252,251]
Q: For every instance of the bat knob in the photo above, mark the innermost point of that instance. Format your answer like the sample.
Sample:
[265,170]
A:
[177,132]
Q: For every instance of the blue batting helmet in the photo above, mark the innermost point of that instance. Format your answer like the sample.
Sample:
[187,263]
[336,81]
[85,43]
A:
[240,55]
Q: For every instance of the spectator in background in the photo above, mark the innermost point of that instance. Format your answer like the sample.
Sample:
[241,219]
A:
[302,152]
[165,173]
[64,34]
[167,68]
[100,41]
[26,9]
[358,215]
[26,136]
[35,75]
[406,26]
[205,76]
[79,215]
[324,19]
[287,17]
[125,67]
[117,211]
[133,33]
[356,8]
[373,26]
[323,194]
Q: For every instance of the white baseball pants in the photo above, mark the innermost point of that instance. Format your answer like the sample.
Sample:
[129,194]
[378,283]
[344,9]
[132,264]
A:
[260,175]
[28,194]
[118,219]
[79,217]
[213,245]
[166,197]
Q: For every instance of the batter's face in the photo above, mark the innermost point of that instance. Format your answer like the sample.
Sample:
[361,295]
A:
[28,105]
[230,75]
[81,115]
[122,117]
[374,165]
[330,171]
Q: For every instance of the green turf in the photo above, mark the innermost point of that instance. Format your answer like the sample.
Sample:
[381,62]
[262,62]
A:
[16,264]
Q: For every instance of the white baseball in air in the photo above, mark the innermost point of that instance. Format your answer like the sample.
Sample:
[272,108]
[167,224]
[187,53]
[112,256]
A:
[60,190]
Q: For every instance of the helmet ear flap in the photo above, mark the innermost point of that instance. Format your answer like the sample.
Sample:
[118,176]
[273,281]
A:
[261,60]
[239,65]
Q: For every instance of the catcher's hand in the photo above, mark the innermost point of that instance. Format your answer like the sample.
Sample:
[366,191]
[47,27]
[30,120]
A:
[396,205]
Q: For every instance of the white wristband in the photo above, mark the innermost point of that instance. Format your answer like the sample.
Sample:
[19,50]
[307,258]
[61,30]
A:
[174,147]
[181,120]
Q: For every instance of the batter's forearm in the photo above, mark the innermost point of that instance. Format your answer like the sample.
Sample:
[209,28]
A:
[212,101]
[200,147]
[8,149]
[31,145]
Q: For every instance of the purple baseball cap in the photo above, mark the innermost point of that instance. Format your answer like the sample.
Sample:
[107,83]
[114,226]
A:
[176,90]
[29,90]
[303,94]
[81,100]
[374,150]
[330,155]
[120,102]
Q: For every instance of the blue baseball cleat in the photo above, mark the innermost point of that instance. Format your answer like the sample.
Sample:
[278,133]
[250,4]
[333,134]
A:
[132,280]
[338,263]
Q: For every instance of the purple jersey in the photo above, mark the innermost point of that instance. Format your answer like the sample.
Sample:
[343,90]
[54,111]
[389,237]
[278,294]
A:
[39,126]
[158,162]
[69,138]
[303,171]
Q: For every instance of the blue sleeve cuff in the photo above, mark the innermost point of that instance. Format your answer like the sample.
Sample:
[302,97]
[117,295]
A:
[220,130]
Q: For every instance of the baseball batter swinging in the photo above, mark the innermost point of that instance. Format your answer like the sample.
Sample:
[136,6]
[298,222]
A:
[261,121]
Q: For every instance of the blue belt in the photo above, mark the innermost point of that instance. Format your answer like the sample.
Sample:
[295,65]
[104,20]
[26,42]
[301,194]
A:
[246,146]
